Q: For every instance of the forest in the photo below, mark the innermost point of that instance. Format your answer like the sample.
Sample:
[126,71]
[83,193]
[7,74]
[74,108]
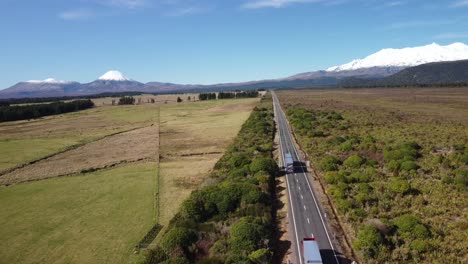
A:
[24,112]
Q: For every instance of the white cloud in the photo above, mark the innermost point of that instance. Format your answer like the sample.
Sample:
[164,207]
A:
[125,3]
[186,11]
[255,4]
[78,14]
[460,3]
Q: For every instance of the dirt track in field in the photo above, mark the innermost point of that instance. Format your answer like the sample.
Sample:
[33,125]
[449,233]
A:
[139,144]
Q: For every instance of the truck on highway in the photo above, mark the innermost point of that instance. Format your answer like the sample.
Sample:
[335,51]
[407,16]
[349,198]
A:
[311,250]
[288,163]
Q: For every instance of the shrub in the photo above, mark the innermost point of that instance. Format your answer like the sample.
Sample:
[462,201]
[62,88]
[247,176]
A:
[359,177]
[331,177]
[329,163]
[347,146]
[178,236]
[354,161]
[408,165]
[393,166]
[411,226]
[261,256]
[244,236]
[368,240]
[419,246]
[263,164]
[344,205]
[399,186]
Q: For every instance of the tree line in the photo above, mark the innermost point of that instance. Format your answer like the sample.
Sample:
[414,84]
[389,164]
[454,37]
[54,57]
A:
[23,112]
[228,95]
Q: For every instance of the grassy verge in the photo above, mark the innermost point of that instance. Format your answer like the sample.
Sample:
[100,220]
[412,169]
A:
[395,165]
[231,219]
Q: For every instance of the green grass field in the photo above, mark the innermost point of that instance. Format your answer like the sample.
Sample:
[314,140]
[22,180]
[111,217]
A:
[92,218]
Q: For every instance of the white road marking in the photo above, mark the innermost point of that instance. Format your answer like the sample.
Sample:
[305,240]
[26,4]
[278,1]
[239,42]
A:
[299,187]
[305,208]
[308,220]
[302,197]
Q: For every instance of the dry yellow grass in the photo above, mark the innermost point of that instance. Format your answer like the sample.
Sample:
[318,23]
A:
[25,141]
[130,146]
[193,137]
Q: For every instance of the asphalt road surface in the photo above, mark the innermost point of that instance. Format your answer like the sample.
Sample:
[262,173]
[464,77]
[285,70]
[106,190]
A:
[306,217]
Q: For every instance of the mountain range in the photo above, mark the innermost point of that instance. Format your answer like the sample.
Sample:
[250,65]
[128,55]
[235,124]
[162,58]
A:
[387,66]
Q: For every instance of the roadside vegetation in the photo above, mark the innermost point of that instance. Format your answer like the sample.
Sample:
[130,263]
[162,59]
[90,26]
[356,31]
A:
[396,168]
[22,112]
[230,219]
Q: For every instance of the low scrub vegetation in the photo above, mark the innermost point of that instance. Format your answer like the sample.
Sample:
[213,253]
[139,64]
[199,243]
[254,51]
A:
[22,112]
[230,220]
[396,193]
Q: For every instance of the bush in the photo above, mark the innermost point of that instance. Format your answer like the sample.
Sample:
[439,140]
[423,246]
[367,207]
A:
[347,146]
[244,236]
[178,237]
[263,164]
[393,166]
[419,246]
[411,226]
[399,186]
[261,256]
[353,161]
[368,240]
[329,163]
[331,177]
[408,165]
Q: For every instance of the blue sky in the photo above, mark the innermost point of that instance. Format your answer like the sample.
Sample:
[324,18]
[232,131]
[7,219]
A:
[206,41]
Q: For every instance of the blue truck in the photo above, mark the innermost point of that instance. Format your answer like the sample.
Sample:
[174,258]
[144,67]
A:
[288,163]
[311,251]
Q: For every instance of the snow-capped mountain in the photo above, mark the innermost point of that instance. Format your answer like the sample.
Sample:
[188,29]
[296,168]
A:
[113,76]
[48,80]
[407,57]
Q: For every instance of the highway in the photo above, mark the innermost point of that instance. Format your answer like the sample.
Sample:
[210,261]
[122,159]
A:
[306,218]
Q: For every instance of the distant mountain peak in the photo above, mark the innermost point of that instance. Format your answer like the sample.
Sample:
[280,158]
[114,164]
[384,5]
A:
[113,76]
[408,57]
[48,80]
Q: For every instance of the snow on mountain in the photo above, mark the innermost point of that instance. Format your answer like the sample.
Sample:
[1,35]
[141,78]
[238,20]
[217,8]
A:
[113,76]
[48,80]
[408,57]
